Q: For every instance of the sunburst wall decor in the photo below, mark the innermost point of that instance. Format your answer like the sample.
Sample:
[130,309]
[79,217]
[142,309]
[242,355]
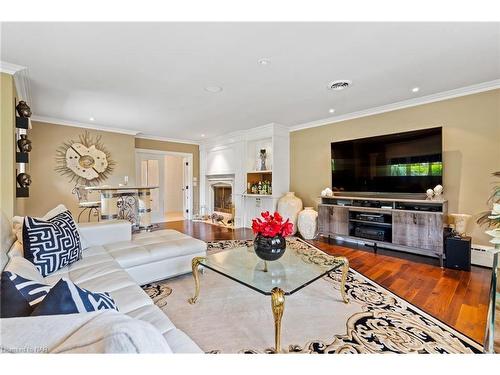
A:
[85,161]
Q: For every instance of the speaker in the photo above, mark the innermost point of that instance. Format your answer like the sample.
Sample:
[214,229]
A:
[458,252]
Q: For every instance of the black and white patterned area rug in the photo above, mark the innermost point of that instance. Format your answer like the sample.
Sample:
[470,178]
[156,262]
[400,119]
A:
[231,318]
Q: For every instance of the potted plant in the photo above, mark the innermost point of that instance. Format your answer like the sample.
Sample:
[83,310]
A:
[270,231]
[491,219]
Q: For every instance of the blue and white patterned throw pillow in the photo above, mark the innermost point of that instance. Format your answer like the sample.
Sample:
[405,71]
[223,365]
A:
[67,298]
[19,296]
[52,244]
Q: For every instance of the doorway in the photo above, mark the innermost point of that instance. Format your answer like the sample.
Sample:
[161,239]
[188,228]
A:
[172,173]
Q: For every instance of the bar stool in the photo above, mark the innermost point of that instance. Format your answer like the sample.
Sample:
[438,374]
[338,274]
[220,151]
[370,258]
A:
[84,203]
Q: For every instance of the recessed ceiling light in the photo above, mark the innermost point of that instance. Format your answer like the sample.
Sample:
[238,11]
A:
[415,89]
[213,89]
[92,119]
[203,135]
[264,61]
[331,110]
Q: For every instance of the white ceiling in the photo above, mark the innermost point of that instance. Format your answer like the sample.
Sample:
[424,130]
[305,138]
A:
[151,77]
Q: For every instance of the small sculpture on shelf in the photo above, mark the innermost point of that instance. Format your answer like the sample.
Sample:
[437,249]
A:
[435,193]
[23,109]
[24,144]
[438,191]
[327,193]
[24,180]
[429,193]
[263,157]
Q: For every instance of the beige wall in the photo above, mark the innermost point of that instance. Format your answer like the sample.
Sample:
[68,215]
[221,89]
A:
[7,144]
[48,187]
[177,147]
[471,149]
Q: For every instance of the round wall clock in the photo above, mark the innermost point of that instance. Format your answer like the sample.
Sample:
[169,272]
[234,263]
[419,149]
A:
[85,161]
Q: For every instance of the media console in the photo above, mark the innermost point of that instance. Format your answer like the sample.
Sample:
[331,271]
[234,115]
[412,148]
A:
[406,224]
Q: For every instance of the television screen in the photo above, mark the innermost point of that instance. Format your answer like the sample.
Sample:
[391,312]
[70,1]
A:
[409,162]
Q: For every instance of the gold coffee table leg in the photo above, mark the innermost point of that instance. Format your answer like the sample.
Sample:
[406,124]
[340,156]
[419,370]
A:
[345,270]
[194,265]
[278,306]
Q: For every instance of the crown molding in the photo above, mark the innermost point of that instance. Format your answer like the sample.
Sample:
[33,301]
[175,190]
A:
[261,131]
[166,139]
[455,93]
[9,68]
[52,120]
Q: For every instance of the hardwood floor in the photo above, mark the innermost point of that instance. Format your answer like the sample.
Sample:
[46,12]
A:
[458,298]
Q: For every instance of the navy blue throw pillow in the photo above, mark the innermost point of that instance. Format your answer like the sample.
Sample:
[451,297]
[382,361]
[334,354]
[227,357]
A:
[19,296]
[67,298]
[52,244]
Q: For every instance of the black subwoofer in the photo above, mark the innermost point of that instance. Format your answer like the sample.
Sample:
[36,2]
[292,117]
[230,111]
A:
[458,252]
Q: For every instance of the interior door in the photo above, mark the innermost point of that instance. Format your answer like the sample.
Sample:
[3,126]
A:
[186,176]
[151,169]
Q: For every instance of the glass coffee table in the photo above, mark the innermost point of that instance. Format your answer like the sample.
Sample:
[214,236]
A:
[296,269]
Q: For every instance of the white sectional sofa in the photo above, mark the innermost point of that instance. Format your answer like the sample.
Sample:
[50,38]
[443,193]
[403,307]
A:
[113,261]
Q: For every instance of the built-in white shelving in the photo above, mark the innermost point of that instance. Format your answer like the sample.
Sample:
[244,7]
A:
[236,156]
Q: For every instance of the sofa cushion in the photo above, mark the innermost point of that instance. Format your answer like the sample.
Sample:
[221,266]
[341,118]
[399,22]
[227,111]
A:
[23,267]
[153,247]
[12,303]
[104,331]
[130,298]
[67,298]
[104,232]
[152,314]
[52,244]
[179,342]
[82,274]
[7,239]
[30,292]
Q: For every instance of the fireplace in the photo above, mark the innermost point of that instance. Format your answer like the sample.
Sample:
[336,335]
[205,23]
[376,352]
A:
[223,198]
[220,196]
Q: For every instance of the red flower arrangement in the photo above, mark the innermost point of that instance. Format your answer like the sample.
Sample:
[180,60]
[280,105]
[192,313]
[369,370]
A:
[272,225]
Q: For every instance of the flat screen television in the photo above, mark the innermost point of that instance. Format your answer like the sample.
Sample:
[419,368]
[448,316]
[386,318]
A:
[409,162]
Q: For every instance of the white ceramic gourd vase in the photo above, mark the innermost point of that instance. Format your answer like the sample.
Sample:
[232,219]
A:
[307,223]
[289,207]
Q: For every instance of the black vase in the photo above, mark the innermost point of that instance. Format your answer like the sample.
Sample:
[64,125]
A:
[269,248]
[23,109]
[24,144]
